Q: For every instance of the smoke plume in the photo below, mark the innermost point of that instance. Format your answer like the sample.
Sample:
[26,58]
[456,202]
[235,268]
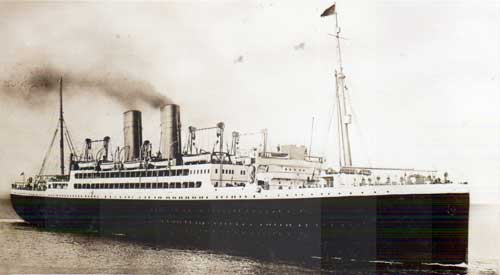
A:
[34,84]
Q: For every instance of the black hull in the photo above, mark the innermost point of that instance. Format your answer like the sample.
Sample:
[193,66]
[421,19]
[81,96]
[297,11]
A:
[403,228]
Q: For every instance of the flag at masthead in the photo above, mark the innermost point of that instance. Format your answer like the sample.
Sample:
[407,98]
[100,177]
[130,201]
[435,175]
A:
[329,11]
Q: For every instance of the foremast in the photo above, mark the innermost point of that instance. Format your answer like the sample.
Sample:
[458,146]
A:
[343,115]
[61,126]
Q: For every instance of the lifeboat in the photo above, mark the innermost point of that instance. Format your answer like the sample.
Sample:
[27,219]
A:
[87,165]
[161,163]
[107,166]
[201,158]
[132,165]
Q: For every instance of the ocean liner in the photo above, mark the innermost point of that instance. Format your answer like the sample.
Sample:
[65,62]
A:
[282,201]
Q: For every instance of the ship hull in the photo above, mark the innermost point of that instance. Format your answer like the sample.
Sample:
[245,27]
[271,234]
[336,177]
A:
[417,228]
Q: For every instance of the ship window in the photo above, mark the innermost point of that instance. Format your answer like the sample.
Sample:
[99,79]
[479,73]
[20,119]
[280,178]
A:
[184,185]
[185,172]
[198,184]
[121,185]
[216,171]
[92,185]
[165,185]
[101,186]
[154,185]
[143,185]
[148,185]
[143,174]
[191,184]
[149,174]
[172,185]
[127,186]
[106,185]
[161,173]
[155,173]
[177,185]
[94,175]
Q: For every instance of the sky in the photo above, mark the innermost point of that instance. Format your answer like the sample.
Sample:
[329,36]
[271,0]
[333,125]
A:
[422,77]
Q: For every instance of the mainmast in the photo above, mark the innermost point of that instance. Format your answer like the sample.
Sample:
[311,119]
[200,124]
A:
[61,125]
[344,117]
